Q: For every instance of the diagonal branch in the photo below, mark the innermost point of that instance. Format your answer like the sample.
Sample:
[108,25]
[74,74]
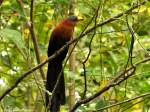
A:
[34,69]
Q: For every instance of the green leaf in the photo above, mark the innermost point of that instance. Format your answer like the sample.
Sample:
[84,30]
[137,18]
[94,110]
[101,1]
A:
[13,36]
[100,104]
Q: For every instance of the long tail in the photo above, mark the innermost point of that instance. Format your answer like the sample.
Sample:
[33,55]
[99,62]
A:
[54,69]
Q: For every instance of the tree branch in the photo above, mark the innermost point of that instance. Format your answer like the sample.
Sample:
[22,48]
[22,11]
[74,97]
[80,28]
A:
[36,47]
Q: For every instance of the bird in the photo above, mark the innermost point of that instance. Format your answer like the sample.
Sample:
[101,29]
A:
[60,35]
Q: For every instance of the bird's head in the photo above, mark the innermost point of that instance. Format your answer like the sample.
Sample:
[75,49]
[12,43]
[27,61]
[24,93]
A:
[72,20]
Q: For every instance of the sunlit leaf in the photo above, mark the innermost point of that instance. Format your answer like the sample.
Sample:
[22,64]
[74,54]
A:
[13,36]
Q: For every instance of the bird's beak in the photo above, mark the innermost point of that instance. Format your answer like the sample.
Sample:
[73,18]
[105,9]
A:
[80,19]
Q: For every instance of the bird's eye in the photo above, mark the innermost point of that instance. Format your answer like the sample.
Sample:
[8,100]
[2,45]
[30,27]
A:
[73,18]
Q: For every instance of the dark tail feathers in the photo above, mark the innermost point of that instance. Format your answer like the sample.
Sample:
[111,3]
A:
[54,69]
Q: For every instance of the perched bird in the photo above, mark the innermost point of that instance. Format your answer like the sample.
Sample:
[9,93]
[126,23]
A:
[60,35]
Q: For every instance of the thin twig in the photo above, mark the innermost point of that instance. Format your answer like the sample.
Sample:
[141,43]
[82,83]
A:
[20,2]
[133,105]
[109,32]
[122,102]
[132,40]
[36,47]
[1,1]
[83,63]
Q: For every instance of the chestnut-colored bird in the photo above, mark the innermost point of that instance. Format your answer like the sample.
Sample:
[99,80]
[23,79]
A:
[60,35]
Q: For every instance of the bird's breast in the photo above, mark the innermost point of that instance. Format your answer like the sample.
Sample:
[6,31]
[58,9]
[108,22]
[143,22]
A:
[68,34]
[64,31]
